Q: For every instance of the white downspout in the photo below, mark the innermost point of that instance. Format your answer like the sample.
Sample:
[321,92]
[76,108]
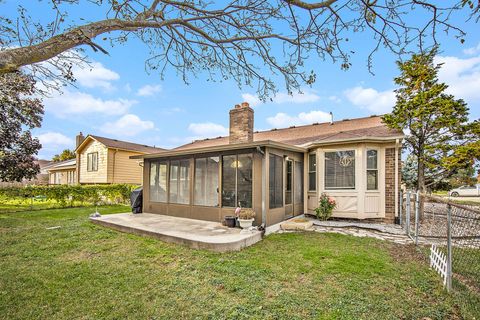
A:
[396,177]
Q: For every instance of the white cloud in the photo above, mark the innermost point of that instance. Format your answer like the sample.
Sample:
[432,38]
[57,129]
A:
[54,139]
[462,76]
[473,50]
[251,99]
[334,99]
[282,120]
[368,98]
[95,76]
[128,125]
[76,103]
[283,97]
[207,129]
[149,90]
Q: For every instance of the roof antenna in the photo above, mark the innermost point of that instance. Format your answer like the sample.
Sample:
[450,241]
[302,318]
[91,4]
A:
[331,117]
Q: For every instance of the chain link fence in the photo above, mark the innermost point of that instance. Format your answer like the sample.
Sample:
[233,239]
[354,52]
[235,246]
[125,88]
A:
[442,227]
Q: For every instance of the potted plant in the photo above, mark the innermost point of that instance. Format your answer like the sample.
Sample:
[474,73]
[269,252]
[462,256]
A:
[245,217]
[326,205]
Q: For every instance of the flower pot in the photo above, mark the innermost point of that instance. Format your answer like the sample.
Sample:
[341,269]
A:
[245,223]
[230,221]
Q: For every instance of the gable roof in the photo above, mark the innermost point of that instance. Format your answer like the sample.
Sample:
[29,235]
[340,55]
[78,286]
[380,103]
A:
[123,145]
[344,130]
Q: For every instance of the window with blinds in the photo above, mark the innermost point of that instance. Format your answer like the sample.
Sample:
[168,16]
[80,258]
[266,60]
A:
[340,170]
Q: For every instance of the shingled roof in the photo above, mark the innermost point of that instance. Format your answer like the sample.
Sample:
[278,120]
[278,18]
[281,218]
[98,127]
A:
[125,145]
[369,127]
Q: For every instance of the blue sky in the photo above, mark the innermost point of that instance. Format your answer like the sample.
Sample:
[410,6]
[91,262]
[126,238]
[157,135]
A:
[118,99]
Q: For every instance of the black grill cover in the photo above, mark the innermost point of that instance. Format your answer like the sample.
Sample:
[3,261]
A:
[136,199]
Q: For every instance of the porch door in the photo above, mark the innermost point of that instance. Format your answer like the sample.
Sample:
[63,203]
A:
[289,210]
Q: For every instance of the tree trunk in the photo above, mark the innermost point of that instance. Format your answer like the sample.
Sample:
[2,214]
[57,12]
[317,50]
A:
[421,184]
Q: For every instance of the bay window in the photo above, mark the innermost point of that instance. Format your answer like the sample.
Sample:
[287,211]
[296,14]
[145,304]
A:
[340,170]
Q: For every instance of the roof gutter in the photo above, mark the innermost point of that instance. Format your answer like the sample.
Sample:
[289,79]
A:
[226,147]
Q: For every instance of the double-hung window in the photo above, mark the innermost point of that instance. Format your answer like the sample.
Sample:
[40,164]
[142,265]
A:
[92,161]
[312,172]
[372,170]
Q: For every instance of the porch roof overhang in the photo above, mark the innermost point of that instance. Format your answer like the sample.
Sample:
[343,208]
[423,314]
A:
[221,148]
[320,143]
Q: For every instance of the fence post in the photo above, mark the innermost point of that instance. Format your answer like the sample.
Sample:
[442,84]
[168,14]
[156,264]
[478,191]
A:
[449,247]
[400,209]
[417,216]
[407,218]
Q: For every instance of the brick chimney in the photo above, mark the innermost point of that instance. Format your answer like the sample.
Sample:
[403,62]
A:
[241,123]
[79,139]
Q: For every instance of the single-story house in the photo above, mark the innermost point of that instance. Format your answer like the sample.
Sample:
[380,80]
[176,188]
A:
[105,160]
[62,172]
[279,173]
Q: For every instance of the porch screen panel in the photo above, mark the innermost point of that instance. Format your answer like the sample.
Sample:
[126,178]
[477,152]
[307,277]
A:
[340,170]
[180,181]
[158,181]
[244,180]
[298,182]
[288,181]
[206,182]
[229,181]
[275,181]
[237,174]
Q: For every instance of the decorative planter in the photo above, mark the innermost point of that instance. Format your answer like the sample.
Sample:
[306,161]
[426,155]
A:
[245,223]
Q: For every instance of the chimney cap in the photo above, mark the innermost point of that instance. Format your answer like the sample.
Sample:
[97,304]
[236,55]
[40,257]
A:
[242,105]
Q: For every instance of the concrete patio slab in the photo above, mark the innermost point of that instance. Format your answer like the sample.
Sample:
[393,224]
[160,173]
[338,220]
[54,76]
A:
[197,234]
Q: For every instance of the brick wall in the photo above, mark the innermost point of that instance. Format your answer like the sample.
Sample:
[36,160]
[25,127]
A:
[390,184]
[241,123]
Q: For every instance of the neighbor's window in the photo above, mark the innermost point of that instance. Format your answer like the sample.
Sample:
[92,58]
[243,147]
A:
[276,181]
[237,176]
[206,181]
[92,161]
[372,170]
[179,181]
[289,181]
[340,170]
[158,181]
[312,172]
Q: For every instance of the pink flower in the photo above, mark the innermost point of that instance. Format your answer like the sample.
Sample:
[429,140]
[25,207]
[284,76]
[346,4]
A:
[237,211]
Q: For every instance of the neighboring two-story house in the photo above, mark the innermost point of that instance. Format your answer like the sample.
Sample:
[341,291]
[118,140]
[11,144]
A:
[101,160]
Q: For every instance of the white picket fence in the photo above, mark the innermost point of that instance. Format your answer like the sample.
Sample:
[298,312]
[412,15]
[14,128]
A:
[438,262]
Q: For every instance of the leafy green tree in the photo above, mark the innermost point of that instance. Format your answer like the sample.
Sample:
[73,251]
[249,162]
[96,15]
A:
[20,112]
[439,133]
[66,154]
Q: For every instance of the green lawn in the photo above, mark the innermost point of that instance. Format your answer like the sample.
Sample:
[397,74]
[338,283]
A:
[81,270]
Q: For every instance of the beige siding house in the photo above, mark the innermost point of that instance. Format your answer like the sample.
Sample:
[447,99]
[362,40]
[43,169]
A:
[279,173]
[103,160]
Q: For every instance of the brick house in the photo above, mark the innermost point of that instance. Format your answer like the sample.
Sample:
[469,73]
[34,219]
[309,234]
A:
[279,173]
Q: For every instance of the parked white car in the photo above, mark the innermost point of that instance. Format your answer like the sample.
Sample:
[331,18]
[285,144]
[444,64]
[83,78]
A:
[465,191]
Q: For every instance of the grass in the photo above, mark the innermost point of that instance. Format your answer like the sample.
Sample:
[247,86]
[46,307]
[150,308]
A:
[81,270]
[25,204]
